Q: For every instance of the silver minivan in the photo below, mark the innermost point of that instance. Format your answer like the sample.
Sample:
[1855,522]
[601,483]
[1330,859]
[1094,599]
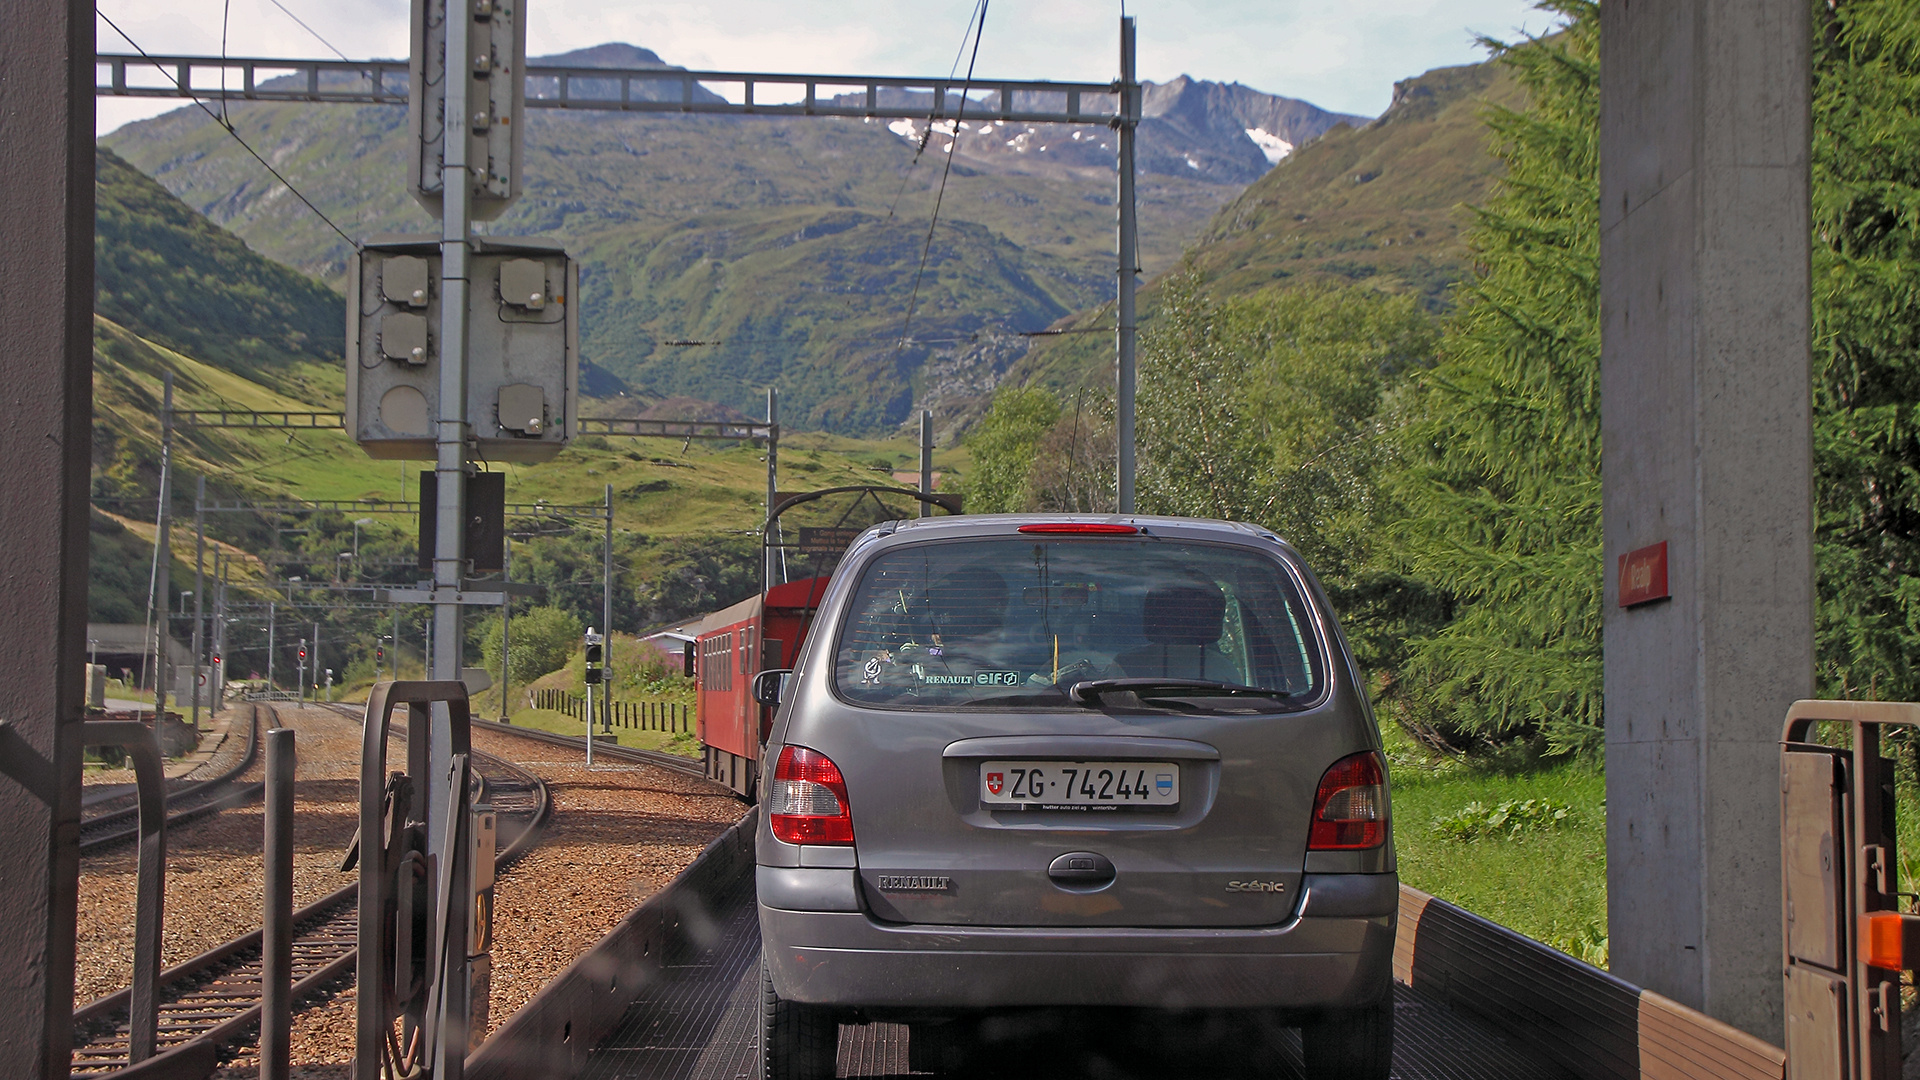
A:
[1032,762]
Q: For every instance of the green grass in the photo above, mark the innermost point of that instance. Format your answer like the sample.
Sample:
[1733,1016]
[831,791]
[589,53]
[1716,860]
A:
[663,487]
[1549,884]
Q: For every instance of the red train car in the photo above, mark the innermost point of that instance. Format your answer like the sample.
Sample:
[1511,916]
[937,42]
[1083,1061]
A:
[731,646]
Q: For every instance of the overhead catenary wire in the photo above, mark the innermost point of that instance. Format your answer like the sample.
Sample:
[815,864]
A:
[933,113]
[959,117]
[229,129]
[308,29]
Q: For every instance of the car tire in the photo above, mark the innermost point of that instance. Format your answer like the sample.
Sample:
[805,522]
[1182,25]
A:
[943,1049]
[1350,1044]
[797,1041]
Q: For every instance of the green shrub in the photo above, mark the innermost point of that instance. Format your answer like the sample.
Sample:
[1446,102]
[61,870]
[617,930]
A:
[1510,819]
[543,639]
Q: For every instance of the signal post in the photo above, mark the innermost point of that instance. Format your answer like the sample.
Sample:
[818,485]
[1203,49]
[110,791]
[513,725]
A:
[458,349]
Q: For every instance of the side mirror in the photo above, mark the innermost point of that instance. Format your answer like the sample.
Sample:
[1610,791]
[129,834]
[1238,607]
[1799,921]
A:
[770,686]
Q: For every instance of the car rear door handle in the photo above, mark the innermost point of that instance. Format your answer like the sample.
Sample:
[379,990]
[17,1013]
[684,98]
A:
[1081,870]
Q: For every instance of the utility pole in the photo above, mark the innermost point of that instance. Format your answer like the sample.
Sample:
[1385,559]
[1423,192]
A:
[217,682]
[272,622]
[199,588]
[769,571]
[926,460]
[163,552]
[606,612]
[506,628]
[1124,122]
[316,656]
[591,676]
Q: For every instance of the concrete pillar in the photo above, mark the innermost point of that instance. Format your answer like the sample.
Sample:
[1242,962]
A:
[1705,416]
[46,351]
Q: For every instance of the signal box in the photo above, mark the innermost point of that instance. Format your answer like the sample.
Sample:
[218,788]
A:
[523,347]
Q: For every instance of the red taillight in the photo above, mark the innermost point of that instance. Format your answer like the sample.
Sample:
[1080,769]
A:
[1350,809]
[808,800]
[1101,527]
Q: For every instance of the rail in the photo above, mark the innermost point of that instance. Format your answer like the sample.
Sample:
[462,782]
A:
[197,800]
[214,999]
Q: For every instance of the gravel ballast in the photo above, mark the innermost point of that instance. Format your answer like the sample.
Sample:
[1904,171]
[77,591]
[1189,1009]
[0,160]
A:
[618,833]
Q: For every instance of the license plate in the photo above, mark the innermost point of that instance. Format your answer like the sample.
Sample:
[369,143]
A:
[1114,784]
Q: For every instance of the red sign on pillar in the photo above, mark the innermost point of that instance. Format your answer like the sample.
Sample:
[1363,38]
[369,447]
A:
[1643,575]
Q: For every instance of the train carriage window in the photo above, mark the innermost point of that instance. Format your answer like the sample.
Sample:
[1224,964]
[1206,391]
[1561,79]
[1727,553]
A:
[716,662]
[1011,623]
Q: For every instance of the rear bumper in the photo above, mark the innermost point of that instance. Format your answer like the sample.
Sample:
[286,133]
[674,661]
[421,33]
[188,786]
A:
[847,958]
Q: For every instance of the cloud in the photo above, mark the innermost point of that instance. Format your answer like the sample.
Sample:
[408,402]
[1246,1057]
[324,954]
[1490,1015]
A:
[1342,57]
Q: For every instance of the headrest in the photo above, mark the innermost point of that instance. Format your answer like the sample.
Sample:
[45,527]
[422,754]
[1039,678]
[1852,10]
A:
[1183,615]
[970,602]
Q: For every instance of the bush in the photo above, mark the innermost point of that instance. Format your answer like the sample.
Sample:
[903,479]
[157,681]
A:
[1510,819]
[542,639]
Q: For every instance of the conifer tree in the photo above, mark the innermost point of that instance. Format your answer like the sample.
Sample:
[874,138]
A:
[1499,484]
[1866,340]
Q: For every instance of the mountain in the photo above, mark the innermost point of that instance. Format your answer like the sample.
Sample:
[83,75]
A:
[1382,203]
[791,249]
[1385,200]
[1223,133]
[617,54]
[195,287]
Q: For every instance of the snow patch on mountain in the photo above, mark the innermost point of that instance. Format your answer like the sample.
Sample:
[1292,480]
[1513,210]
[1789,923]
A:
[1273,146]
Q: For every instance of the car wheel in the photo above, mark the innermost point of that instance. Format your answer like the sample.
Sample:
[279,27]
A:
[1351,1044]
[797,1042]
[942,1049]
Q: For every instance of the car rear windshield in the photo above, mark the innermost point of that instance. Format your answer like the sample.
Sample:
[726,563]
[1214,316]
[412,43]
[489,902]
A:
[1013,622]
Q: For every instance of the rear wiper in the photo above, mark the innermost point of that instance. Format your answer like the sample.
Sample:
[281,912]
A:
[1085,692]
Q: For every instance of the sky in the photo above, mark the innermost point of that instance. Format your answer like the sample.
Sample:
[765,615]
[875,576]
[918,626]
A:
[1343,57]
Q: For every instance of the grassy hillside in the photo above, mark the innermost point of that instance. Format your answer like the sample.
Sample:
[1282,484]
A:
[1379,202]
[684,511]
[191,285]
[1384,204]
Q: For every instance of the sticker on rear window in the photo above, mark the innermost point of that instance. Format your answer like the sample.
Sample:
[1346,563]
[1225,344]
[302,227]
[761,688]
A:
[979,678]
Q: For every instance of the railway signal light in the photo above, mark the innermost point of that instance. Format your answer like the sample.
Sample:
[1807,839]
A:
[595,652]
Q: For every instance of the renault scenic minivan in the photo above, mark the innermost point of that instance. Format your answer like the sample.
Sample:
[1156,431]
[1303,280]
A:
[1030,762]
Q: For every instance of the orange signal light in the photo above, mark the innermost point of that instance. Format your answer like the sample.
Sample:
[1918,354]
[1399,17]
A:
[1880,939]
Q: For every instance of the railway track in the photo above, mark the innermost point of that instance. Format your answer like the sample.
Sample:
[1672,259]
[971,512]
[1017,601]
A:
[214,999]
[115,826]
[607,749]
